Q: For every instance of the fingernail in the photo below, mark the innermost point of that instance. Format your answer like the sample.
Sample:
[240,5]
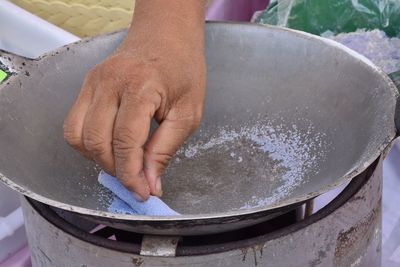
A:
[137,197]
[159,186]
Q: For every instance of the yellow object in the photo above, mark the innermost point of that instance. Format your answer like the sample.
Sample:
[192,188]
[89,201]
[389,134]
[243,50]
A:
[83,17]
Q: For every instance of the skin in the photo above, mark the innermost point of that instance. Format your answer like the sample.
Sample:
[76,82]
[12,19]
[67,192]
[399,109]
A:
[157,72]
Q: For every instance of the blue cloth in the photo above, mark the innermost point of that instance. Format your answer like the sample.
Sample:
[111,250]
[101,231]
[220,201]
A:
[124,202]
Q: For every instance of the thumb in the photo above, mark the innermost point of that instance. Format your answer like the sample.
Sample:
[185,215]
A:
[161,147]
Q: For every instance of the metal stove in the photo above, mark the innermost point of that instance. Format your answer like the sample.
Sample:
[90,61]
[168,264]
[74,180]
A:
[346,232]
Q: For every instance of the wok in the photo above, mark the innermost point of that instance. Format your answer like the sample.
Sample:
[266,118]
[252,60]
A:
[288,116]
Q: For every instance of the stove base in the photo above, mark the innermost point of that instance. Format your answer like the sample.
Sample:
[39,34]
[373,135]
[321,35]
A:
[341,234]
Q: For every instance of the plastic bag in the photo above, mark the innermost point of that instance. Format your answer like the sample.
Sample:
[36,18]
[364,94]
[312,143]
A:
[334,16]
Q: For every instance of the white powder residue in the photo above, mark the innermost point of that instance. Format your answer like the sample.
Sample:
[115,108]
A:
[224,137]
[298,152]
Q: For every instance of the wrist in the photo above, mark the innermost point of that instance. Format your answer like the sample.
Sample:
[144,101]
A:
[167,23]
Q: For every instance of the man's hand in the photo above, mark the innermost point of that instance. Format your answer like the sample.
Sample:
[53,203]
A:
[157,72]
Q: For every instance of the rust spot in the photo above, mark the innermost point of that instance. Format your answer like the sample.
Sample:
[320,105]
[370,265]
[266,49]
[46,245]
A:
[357,198]
[255,256]
[315,262]
[355,241]
[318,260]
[137,261]
[261,248]
[244,253]
[255,249]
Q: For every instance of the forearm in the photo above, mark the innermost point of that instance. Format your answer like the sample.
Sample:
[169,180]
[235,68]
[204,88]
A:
[160,22]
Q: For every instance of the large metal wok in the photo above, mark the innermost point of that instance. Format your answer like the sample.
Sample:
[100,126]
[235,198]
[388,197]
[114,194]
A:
[288,116]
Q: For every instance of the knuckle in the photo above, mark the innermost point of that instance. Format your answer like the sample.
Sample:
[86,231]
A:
[94,142]
[91,75]
[140,89]
[134,94]
[71,136]
[145,101]
[101,72]
[123,141]
[161,159]
[150,72]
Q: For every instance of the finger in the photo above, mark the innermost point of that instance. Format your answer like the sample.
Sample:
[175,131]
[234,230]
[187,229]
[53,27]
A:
[73,124]
[98,128]
[161,147]
[130,134]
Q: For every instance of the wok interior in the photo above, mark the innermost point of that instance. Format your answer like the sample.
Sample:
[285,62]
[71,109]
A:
[285,116]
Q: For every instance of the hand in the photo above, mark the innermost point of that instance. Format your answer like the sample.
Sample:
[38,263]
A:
[158,74]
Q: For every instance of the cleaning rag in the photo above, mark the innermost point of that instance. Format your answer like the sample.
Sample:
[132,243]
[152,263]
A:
[124,202]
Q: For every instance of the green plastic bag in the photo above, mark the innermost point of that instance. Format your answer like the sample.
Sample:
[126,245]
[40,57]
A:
[336,16]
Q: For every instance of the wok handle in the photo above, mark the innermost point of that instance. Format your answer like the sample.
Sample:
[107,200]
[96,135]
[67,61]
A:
[395,76]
